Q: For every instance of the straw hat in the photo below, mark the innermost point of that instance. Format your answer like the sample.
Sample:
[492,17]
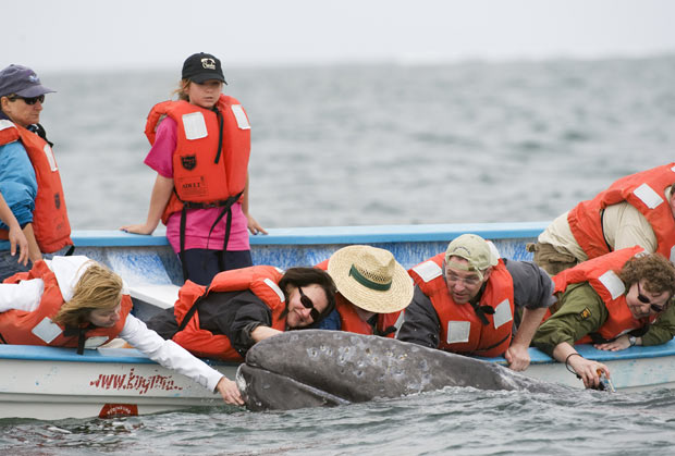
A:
[370,278]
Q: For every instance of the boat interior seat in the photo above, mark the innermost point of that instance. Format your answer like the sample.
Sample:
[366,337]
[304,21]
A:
[161,296]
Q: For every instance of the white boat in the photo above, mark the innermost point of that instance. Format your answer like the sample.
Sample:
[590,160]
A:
[54,383]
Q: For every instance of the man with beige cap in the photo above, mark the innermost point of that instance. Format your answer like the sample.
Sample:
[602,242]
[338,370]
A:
[465,301]
[373,289]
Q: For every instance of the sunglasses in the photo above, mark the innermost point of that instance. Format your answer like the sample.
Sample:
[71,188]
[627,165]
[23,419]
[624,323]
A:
[645,300]
[308,304]
[29,101]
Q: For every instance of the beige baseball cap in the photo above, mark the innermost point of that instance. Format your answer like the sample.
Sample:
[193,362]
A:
[474,249]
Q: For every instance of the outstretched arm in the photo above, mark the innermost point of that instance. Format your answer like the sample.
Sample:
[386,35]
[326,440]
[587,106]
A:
[161,192]
[587,369]
[263,332]
[517,354]
[253,226]
[172,356]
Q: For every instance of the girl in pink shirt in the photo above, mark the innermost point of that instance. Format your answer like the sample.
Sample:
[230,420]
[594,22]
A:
[202,254]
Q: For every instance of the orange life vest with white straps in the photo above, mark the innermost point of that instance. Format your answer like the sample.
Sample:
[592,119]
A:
[260,280]
[20,327]
[461,329]
[643,190]
[50,217]
[202,175]
[350,320]
[599,273]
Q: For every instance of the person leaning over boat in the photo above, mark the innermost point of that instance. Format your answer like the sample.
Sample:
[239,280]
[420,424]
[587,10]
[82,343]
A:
[614,301]
[76,302]
[200,150]
[465,298]
[244,306]
[29,177]
[372,290]
[638,209]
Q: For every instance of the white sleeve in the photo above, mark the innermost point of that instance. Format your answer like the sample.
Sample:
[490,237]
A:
[24,295]
[168,353]
[68,271]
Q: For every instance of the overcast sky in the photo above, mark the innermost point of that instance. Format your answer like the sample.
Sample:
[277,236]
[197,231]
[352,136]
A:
[51,35]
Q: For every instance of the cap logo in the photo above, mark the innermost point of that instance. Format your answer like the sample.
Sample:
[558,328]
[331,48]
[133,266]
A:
[208,63]
[34,79]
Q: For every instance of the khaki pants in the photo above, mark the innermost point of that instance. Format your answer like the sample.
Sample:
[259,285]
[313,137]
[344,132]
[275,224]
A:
[551,260]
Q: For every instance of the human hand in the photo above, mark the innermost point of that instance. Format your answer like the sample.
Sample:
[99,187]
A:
[588,370]
[254,227]
[620,343]
[143,228]
[228,389]
[518,357]
[17,238]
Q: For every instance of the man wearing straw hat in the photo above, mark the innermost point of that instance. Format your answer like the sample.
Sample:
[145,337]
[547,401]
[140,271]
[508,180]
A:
[373,289]
[465,301]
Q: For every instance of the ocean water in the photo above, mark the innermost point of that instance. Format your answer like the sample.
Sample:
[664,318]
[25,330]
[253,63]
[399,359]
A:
[386,144]
[383,144]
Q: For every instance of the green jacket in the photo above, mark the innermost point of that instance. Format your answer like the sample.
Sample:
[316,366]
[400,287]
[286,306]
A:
[581,311]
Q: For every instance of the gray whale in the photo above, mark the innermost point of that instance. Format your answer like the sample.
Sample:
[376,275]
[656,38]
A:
[313,368]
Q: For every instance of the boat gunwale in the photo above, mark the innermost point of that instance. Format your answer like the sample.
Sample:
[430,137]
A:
[37,353]
[367,234]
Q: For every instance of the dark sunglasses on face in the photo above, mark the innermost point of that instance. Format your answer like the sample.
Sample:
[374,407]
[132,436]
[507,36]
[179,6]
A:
[29,101]
[645,300]
[308,304]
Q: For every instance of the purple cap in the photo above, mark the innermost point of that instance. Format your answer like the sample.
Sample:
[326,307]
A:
[22,81]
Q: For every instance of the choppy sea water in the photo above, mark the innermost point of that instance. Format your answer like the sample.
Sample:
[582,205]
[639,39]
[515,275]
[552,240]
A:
[386,144]
[461,421]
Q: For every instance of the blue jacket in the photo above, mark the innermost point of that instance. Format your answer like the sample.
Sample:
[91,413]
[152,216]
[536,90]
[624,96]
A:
[332,322]
[18,183]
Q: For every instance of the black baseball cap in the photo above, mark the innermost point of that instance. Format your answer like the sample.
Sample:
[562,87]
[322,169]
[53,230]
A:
[202,67]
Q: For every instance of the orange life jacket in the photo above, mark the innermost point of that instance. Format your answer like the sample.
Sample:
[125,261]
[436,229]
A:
[599,273]
[461,328]
[644,191]
[204,176]
[350,320]
[261,280]
[50,217]
[19,327]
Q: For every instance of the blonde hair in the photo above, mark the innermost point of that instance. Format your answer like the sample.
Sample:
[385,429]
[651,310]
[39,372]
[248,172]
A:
[98,288]
[180,92]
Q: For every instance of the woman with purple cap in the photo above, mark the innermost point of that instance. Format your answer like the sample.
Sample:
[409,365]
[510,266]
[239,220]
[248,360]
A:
[30,183]
[200,150]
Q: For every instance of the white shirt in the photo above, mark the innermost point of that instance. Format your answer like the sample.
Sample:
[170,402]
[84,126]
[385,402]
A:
[623,226]
[26,296]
